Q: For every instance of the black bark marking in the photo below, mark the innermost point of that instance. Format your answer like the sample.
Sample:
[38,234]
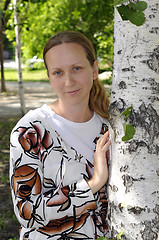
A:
[153,85]
[136,210]
[147,119]
[138,56]
[156,209]
[154,30]
[122,85]
[117,107]
[129,69]
[120,206]
[119,52]
[149,233]
[113,188]
[151,16]
[153,61]
[128,181]
[124,168]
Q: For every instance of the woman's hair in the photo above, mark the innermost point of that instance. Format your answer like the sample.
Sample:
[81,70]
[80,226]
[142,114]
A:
[98,100]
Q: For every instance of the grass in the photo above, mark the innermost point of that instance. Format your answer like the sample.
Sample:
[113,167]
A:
[32,75]
[9,227]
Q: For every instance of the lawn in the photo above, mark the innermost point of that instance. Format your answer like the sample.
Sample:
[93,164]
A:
[33,75]
[9,227]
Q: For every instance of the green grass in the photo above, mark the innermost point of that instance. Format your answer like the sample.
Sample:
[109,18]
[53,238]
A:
[33,75]
[9,227]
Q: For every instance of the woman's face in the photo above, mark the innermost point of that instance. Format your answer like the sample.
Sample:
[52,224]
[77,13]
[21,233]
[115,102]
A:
[70,73]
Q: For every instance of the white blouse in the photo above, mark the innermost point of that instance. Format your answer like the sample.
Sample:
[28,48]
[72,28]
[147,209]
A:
[78,135]
[48,178]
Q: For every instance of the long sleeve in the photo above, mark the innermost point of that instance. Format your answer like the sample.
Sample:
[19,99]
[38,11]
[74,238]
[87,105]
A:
[43,190]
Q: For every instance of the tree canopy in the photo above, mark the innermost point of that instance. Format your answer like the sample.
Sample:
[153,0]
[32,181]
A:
[41,19]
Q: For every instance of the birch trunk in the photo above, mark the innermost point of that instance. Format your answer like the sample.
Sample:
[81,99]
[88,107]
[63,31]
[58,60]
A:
[18,57]
[3,87]
[134,165]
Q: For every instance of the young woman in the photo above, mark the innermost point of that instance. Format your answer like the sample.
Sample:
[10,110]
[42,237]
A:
[58,160]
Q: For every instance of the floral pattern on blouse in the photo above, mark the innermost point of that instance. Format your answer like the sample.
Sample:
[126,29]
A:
[51,197]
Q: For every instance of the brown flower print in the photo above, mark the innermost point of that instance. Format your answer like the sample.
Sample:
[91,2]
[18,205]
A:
[26,181]
[35,140]
[61,199]
[66,226]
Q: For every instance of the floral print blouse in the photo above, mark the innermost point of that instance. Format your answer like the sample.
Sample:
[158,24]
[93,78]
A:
[51,197]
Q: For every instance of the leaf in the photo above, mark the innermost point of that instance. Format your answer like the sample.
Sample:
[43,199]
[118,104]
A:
[116,2]
[124,12]
[129,132]
[140,6]
[127,112]
[120,234]
[137,18]
[124,126]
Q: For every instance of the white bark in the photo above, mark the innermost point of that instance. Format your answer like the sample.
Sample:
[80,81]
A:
[134,165]
[18,57]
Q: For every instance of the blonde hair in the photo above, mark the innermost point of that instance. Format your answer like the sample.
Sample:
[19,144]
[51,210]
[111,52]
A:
[98,100]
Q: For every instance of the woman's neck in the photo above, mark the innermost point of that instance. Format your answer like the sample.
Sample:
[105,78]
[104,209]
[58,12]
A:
[72,113]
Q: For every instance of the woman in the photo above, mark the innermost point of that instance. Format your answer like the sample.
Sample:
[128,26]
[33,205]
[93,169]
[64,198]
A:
[58,163]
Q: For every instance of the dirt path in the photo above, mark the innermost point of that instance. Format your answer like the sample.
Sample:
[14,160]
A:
[35,93]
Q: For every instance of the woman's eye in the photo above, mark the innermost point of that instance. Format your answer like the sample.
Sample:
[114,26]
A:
[77,68]
[58,73]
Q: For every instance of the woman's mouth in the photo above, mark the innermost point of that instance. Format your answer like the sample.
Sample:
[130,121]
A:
[74,92]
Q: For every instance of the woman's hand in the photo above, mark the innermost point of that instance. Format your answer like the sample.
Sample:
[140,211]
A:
[100,175]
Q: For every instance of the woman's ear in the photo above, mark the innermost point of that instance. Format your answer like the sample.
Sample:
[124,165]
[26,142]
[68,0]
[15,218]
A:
[95,70]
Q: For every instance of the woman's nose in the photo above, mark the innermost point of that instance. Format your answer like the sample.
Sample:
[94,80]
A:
[69,79]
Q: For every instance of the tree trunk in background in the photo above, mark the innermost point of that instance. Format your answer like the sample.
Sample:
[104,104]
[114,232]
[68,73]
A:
[18,57]
[134,165]
[3,87]
[3,22]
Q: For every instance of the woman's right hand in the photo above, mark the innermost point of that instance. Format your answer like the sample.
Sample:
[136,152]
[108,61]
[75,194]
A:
[100,175]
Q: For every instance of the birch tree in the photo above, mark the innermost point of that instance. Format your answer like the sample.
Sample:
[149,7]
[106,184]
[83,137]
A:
[3,22]
[18,57]
[134,166]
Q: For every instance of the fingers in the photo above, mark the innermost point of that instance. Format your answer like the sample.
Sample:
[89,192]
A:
[104,140]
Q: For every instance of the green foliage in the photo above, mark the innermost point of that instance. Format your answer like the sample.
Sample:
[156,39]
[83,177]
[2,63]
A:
[116,238]
[41,19]
[105,44]
[131,11]
[129,130]
[126,113]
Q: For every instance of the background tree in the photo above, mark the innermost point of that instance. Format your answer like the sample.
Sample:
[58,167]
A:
[4,17]
[41,19]
[18,56]
[134,170]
